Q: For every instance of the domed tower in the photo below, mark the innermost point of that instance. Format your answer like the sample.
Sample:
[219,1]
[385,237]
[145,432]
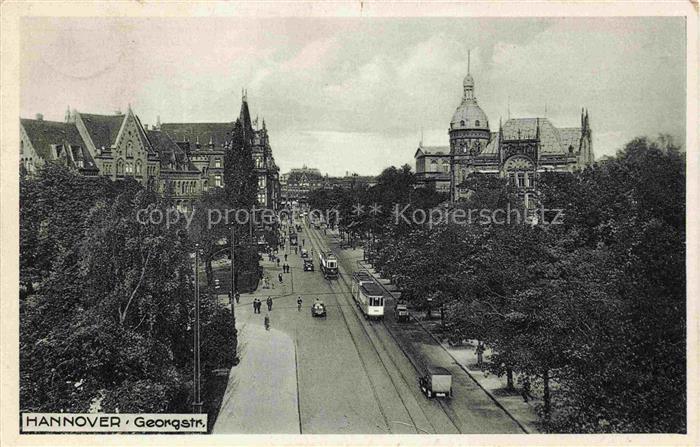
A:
[469,133]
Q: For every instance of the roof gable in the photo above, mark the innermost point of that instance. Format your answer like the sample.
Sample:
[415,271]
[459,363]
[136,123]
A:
[216,133]
[103,129]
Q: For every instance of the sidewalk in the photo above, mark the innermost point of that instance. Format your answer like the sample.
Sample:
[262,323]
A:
[261,395]
[419,343]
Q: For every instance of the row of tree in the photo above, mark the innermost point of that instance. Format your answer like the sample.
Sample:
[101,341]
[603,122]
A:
[106,302]
[588,305]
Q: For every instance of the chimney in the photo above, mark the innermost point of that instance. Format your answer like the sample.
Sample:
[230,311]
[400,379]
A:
[39,117]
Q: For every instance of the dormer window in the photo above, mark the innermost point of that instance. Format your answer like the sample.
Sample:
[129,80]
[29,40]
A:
[461,123]
[217,163]
[476,123]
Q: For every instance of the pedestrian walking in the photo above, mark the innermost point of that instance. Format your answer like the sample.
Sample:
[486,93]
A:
[280,277]
[269,303]
[278,262]
[267,322]
[303,241]
[295,250]
[299,303]
[525,390]
[285,257]
[255,306]
[238,297]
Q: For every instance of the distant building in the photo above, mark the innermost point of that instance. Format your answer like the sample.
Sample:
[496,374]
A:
[519,150]
[206,144]
[349,181]
[298,182]
[116,146]
[179,159]
[433,167]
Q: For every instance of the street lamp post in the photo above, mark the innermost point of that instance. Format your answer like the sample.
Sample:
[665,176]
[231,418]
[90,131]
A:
[233,276]
[197,398]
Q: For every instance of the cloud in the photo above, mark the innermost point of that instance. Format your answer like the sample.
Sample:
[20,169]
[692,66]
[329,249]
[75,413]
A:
[357,92]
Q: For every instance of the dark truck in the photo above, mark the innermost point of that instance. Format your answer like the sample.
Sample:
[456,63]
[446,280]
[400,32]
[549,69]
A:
[436,382]
[401,311]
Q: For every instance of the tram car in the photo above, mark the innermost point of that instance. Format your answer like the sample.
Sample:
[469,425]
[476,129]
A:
[368,295]
[329,264]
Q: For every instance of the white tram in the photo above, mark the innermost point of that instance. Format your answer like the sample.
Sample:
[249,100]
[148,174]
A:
[368,295]
[329,264]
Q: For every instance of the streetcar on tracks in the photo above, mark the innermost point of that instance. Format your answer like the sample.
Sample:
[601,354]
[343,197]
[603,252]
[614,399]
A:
[329,264]
[368,295]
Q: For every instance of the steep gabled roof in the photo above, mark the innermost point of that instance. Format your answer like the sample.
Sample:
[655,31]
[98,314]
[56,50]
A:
[43,134]
[169,151]
[103,129]
[550,136]
[218,133]
[570,136]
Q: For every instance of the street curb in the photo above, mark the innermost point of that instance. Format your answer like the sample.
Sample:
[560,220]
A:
[462,367]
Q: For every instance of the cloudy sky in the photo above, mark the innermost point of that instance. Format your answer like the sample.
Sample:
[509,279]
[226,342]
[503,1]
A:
[354,94]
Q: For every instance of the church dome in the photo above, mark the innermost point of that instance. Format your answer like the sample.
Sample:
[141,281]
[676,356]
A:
[469,116]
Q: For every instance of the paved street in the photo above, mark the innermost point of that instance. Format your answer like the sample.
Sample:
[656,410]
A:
[353,376]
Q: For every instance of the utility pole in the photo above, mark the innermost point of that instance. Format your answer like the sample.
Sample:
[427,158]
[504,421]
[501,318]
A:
[233,276]
[196,399]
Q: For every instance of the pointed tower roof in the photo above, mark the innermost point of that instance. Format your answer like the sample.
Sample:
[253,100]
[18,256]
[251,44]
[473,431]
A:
[245,112]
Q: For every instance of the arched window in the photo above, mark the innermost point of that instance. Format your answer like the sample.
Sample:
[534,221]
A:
[129,149]
[120,167]
[461,123]
[138,167]
[476,123]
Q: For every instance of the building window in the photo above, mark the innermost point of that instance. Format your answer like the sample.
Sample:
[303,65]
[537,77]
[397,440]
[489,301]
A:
[129,168]
[120,167]
[261,182]
[476,123]
[217,162]
[520,176]
[461,123]
[129,149]
[217,180]
[446,167]
[138,167]
[433,166]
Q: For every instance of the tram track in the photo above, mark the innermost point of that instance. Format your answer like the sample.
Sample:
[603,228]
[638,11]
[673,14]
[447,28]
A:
[376,340]
[446,409]
[357,349]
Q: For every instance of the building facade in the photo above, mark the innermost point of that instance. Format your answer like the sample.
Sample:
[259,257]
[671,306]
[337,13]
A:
[519,150]
[297,183]
[178,159]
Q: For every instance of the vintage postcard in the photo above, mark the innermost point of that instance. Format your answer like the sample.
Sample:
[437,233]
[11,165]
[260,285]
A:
[383,224]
